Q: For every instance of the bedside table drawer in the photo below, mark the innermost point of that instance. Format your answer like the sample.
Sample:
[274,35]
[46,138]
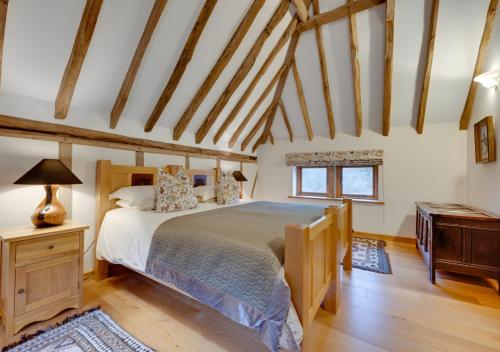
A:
[47,247]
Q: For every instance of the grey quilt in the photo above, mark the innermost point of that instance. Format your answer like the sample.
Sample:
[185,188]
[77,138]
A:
[230,259]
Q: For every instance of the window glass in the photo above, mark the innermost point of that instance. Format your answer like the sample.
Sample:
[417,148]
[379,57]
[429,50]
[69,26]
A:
[357,181]
[314,180]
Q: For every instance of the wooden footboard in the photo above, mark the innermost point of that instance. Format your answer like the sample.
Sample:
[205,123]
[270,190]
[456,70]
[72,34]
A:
[313,255]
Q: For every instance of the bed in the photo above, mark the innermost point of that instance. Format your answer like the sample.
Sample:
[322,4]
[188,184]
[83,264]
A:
[311,253]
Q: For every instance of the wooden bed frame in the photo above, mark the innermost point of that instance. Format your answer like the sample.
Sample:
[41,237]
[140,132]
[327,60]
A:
[313,253]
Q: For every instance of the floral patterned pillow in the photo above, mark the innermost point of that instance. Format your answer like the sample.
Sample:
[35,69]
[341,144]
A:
[174,192]
[228,189]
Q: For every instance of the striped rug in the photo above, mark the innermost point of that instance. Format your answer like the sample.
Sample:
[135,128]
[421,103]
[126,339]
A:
[368,254]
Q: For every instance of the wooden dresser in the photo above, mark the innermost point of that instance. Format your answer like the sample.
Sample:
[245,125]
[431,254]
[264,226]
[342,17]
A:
[42,272]
[458,238]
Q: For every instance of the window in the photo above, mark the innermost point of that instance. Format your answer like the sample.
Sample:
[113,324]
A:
[338,181]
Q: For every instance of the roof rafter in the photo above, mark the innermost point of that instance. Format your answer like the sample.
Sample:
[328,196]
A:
[216,71]
[182,63]
[389,49]
[324,73]
[243,99]
[302,100]
[338,13]
[3,19]
[428,66]
[353,34]
[243,71]
[254,108]
[285,120]
[78,53]
[123,94]
[478,69]
[301,9]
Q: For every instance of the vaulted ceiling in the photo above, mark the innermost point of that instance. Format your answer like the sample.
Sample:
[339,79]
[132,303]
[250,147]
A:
[193,71]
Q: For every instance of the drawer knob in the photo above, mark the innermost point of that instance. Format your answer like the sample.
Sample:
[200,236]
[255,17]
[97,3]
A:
[51,246]
[21,291]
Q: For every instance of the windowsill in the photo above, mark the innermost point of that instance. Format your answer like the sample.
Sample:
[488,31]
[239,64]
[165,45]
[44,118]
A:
[358,200]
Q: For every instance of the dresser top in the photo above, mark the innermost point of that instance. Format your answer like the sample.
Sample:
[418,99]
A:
[456,211]
[27,232]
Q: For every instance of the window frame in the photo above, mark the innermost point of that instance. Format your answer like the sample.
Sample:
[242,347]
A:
[338,186]
[330,176]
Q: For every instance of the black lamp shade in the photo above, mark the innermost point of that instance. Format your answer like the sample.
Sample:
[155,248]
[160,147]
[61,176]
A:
[49,172]
[239,176]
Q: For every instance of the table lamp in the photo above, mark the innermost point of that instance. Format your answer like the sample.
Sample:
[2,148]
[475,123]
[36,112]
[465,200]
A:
[50,173]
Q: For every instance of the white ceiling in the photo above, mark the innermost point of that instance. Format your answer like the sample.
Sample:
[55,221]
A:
[40,34]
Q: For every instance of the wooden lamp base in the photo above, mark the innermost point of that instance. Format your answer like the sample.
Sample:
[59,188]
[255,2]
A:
[50,212]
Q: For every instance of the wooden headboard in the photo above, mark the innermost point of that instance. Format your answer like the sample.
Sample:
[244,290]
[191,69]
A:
[111,177]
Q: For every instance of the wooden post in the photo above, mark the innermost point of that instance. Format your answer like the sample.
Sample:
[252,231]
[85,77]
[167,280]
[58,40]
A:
[332,298]
[186,162]
[253,186]
[347,263]
[139,158]
[66,191]
[241,183]
[217,169]
[102,182]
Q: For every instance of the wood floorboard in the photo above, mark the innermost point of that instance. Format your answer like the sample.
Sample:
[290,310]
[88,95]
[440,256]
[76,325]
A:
[380,313]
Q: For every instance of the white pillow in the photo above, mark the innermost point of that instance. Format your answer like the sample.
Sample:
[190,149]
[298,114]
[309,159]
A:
[135,195]
[204,193]
[124,204]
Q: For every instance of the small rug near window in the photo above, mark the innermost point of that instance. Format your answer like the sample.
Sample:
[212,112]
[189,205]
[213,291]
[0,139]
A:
[91,331]
[368,254]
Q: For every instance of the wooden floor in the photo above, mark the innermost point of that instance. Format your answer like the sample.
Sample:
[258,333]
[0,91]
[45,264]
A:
[399,312]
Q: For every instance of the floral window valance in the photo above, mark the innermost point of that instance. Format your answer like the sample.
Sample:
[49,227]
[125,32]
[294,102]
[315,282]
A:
[354,157]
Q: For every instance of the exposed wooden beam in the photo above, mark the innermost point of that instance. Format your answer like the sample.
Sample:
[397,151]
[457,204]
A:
[428,66]
[389,48]
[75,63]
[256,127]
[223,60]
[301,9]
[271,138]
[478,69]
[254,108]
[338,13]
[3,19]
[286,120]
[277,48]
[294,41]
[302,100]
[353,32]
[39,130]
[324,73]
[242,72]
[182,63]
[123,94]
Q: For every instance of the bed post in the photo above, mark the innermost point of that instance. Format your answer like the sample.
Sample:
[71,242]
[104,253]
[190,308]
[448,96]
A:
[332,298]
[103,188]
[347,262]
[298,272]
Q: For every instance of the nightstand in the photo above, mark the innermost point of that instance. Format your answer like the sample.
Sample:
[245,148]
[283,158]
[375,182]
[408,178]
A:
[42,273]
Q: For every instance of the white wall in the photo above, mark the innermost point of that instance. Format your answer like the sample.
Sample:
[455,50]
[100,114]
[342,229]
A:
[483,189]
[18,202]
[428,167]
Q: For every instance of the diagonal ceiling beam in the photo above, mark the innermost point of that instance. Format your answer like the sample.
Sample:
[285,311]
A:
[478,69]
[428,66]
[324,73]
[302,100]
[353,33]
[248,92]
[216,71]
[254,108]
[182,63]
[301,9]
[121,99]
[286,120]
[260,122]
[242,72]
[338,13]
[389,48]
[3,19]
[75,63]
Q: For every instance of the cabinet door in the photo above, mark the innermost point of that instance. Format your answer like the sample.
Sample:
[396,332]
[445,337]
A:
[45,283]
